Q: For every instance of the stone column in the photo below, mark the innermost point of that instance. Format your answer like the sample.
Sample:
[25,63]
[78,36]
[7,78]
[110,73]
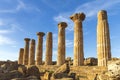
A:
[39,48]
[103,39]
[20,60]
[61,43]
[78,39]
[26,51]
[48,56]
[32,53]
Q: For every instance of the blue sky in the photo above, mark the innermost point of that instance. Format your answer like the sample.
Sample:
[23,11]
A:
[23,18]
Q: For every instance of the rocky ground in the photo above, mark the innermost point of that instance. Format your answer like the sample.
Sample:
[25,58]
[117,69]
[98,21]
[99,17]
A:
[12,71]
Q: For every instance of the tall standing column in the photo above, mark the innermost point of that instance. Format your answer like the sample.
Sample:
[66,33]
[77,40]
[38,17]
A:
[48,56]
[26,51]
[20,60]
[103,39]
[78,39]
[39,48]
[32,53]
[61,43]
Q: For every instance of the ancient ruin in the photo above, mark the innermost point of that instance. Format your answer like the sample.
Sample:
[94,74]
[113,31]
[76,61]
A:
[78,68]
[61,43]
[103,39]
[78,39]
[103,44]
[49,46]
[26,51]
[39,52]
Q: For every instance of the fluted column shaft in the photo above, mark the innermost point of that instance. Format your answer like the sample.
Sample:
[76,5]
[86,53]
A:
[61,43]
[78,39]
[103,39]
[32,53]
[20,60]
[48,56]
[39,48]
[26,51]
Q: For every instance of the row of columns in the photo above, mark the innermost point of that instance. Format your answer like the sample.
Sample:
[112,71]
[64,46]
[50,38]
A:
[29,59]
[103,43]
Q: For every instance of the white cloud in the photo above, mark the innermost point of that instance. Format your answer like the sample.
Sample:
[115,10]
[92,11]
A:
[5,31]
[11,26]
[5,40]
[1,23]
[69,43]
[54,56]
[65,18]
[20,6]
[8,55]
[90,9]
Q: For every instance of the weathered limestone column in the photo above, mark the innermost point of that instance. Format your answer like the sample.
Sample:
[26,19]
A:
[48,56]
[78,39]
[103,39]
[39,48]
[20,60]
[26,51]
[61,43]
[32,53]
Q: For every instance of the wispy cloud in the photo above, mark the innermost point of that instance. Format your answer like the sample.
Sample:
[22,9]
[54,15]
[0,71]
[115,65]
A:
[20,5]
[5,31]
[65,18]
[11,26]
[5,40]
[1,23]
[8,27]
[90,9]
[8,55]
[69,43]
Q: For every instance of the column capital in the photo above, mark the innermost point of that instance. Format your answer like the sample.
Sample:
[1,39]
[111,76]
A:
[77,16]
[62,24]
[33,41]
[102,14]
[49,32]
[21,49]
[40,34]
[27,39]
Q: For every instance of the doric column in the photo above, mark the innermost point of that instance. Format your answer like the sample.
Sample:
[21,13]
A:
[61,43]
[103,39]
[26,51]
[78,39]
[39,48]
[32,53]
[20,60]
[48,56]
